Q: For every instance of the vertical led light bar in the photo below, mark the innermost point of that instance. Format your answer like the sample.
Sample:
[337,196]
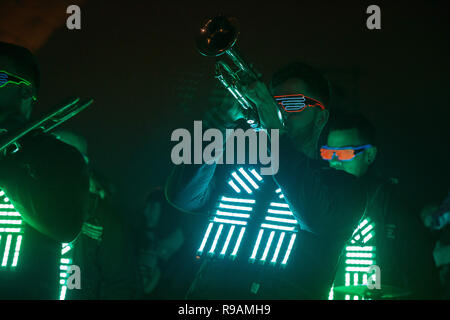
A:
[11,234]
[234,211]
[65,262]
[359,256]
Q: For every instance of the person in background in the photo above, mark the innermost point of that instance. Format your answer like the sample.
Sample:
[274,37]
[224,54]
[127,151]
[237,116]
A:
[351,147]
[435,218]
[102,250]
[46,181]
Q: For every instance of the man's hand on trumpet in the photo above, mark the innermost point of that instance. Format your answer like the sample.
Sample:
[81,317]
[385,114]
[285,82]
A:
[266,106]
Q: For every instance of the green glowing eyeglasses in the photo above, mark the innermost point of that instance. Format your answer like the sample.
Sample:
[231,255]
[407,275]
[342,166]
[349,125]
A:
[6,78]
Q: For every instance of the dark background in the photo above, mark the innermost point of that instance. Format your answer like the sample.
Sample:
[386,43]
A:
[138,60]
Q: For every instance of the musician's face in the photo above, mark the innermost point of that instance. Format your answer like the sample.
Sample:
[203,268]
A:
[299,124]
[13,98]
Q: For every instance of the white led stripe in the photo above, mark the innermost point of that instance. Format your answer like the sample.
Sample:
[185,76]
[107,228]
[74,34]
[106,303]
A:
[359,255]
[227,241]
[9,214]
[370,227]
[355,279]
[367,238]
[226,199]
[228,206]
[278,190]
[234,186]
[244,223]
[269,243]
[291,221]
[357,269]
[255,248]
[238,242]
[364,278]
[219,231]
[6,206]
[242,183]
[288,252]
[10,221]
[347,279]
[354,248]
[64,260]
[246,176]
[63,293]
[232,214]
[2,193]
[205,238]
[257,176]
[65,250]
[277,250]
[356,261]
[10,230]
[281,196]
[277,204]
[7,249]
[273,226]
[16,251]
[280,212]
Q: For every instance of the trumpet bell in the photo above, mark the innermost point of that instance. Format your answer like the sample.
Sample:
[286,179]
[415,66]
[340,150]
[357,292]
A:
[217,35]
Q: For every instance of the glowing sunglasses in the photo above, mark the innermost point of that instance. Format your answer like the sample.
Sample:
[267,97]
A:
[343,154]
[297,102]
[6,77]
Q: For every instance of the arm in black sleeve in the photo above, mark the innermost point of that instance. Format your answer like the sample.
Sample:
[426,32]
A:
[189,187]
[47,182]
[322,199]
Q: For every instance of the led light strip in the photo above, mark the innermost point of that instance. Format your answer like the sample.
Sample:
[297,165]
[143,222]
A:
[250,180]
[227,206]
[227,199]
[232,214]
[227,241]
[242,183]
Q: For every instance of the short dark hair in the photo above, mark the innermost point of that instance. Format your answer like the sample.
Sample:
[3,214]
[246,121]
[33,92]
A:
[344,121]
[314,79]
[24,62]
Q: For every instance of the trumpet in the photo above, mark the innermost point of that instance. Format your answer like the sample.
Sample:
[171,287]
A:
[217,38]
[10,141]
